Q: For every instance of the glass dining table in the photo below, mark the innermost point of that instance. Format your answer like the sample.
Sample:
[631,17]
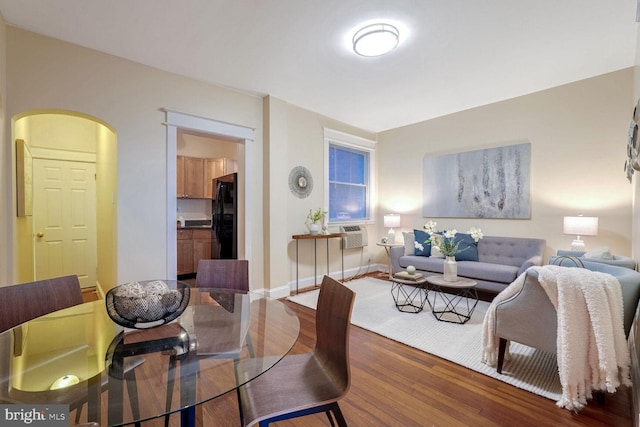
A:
[80,357]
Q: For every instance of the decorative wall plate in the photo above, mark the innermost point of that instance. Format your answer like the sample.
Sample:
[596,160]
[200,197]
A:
[300,182]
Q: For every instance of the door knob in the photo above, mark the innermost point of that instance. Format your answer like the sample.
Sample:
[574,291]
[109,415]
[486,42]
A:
[39,235]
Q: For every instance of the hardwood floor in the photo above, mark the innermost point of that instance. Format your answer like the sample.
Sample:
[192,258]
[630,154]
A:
[396,385]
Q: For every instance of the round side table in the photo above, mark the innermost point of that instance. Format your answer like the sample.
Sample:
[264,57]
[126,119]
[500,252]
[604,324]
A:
[459,306]
[409,295]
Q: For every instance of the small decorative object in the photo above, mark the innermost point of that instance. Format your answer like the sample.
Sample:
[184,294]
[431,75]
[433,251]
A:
[411,269]
[314,219]
[300,182]
[143,305]
[450,269]
[325,224]
[383,240]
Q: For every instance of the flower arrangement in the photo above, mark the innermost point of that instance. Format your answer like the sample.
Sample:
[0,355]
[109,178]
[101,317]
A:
[316,216]
[445,241]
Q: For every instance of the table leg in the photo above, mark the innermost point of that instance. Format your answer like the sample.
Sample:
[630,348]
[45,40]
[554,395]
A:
[94,403]
[188,378]
[315,263]
[296,267]
[327,257]
[114,387]
[342,255]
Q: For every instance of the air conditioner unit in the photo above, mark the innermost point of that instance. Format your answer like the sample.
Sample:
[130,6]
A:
[356,236]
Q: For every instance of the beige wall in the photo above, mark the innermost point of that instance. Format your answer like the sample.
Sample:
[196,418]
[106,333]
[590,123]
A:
[47,73]
[6,180]
[578,135]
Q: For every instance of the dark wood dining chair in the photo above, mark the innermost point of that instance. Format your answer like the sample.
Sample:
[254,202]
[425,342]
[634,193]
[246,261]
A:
[24,302]
[223,273]
[232,274]
[303,384]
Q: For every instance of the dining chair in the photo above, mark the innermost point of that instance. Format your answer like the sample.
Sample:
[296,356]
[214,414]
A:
[24,302]
[309,383]
[223,274]
[231,274]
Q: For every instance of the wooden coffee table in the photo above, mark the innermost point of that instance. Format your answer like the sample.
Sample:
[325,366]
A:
[459,305]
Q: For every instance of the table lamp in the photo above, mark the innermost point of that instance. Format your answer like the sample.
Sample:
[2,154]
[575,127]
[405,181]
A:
[580,226]
[391,220]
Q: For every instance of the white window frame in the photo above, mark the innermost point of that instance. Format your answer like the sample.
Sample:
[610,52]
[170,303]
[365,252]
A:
[334,137]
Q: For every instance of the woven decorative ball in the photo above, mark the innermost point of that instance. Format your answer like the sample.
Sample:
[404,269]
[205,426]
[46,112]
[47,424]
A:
[143,305]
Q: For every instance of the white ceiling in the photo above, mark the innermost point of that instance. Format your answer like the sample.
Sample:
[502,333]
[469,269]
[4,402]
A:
[454,54]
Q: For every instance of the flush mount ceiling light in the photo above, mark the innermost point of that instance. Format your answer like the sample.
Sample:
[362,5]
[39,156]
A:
[375,39]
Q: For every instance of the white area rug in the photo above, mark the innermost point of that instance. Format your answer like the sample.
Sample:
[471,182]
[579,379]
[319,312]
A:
[374,310]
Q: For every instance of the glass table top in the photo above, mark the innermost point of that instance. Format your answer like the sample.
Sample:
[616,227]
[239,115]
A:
[73,355]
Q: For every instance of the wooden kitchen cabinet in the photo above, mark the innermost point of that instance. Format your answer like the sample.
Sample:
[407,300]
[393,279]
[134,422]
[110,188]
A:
[185,252]
[193,245]
[190,177]
[213,169]
[201,246]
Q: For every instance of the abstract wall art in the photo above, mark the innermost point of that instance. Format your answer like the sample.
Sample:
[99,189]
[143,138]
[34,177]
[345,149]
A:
[489,183]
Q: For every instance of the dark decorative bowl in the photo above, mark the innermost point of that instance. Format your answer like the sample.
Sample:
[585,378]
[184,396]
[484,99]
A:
[146,304]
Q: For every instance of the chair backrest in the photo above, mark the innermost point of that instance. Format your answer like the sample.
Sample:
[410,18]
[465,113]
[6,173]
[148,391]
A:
[223,273]
[24,302]
[333,320]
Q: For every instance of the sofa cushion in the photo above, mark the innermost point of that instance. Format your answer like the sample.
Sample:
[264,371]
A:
[422,245]
[470,269]
[409,243]
[431,264]
[600,253]
[488,271]
[467,247]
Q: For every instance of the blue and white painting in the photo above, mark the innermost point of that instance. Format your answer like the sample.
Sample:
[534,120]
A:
[490,183]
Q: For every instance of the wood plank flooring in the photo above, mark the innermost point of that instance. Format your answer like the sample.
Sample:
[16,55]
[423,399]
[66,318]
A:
[396,385]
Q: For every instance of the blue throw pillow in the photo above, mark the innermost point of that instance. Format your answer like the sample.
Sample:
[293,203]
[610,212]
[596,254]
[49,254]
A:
[420,241]
[468,248]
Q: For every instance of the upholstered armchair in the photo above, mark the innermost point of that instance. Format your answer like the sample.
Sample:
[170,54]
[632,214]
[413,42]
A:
[529,317]
[617,260]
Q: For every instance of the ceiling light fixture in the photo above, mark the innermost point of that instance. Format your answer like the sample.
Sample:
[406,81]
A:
[375,39]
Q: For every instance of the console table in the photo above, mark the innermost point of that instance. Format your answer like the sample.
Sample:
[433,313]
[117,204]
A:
[315,238]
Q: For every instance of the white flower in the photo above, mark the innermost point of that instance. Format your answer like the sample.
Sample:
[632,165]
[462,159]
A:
[430,227]
[418,246]
[476,233]
[450,233]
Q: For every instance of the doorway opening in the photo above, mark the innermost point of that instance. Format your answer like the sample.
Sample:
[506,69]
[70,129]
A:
[180,124]
[71,227]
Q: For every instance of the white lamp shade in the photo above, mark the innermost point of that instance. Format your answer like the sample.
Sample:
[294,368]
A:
[392,220]
[581,225]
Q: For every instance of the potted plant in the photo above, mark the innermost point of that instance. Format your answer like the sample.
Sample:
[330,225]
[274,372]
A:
[314,220]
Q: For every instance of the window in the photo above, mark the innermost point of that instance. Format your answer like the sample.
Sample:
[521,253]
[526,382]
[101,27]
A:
[349,178]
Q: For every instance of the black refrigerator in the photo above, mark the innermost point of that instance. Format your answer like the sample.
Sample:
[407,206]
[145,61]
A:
[225,217]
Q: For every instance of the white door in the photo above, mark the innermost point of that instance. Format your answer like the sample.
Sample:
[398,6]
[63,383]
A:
[64,219]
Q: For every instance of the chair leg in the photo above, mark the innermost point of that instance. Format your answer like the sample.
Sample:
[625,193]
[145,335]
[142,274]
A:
[502,347]
[330,416]
[335,408]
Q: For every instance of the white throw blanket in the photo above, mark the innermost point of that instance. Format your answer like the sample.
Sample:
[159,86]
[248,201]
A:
[591,344]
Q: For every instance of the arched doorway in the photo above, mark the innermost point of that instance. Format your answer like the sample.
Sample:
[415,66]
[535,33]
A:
[72,228]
